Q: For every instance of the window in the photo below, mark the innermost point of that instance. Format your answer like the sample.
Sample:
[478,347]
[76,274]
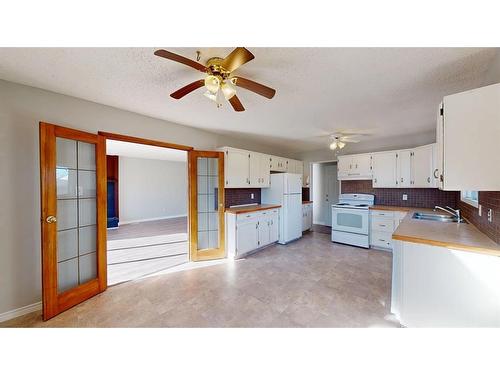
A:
[470,197]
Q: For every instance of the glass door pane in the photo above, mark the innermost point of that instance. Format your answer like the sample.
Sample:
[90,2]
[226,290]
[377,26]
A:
[208,211]
[76,213]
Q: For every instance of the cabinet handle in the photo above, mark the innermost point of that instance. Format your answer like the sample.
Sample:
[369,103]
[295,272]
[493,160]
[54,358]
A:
[375,180]
[428,179]
[401,179]
[435,173]
[382,225]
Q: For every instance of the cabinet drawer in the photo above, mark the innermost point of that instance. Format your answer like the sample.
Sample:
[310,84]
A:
[382,224]
[381,239]
[248,216]
[388,214]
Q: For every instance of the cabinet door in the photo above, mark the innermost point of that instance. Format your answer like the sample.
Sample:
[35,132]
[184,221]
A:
[237,168]
[362,165]
[404,161]
[304,217]
[343,165]
[264,232]
[247,236]
[273,228]
[422,167]
[384,169]
[277,164]
[265,171]
[254,175]
[439,146]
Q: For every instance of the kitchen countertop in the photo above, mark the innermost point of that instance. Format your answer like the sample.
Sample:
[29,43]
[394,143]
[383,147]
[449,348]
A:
[450,235]
[253,208]
[306,202]
[392,208]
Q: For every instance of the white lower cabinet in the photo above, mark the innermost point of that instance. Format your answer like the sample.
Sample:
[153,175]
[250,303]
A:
[382,224]
[306,216]
[246,232]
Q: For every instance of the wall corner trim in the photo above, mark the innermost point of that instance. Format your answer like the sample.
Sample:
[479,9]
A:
[8,315]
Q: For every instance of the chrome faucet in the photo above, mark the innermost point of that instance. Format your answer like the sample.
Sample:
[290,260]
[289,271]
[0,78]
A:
[456,213]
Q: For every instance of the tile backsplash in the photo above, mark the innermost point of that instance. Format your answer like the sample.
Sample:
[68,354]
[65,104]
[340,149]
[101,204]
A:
[426,198]
[488,200]
[235,197]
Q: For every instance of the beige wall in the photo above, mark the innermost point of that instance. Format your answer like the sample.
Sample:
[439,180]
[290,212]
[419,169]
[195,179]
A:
[21,108]
[151,189]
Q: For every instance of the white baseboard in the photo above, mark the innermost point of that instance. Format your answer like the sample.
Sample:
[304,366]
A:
[20,311]
[151,219]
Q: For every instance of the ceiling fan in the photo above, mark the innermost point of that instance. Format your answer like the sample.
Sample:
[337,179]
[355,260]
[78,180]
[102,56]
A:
[219,81]
[339,140]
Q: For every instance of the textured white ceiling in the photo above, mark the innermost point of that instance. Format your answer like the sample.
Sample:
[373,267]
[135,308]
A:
[390,91]
[136,150]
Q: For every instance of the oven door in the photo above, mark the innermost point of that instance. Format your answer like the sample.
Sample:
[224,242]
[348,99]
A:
[350,220]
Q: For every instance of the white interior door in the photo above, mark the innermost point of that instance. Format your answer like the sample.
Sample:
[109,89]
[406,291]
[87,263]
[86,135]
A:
[331,190]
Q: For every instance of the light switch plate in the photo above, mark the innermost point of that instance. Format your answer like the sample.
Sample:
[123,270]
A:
[405,197]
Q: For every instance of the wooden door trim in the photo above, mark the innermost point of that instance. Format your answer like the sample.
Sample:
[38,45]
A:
[48,207]
[54,302]
[220,252]
[144,141]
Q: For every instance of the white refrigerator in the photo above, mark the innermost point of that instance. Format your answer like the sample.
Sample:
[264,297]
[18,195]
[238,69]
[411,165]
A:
[286,190]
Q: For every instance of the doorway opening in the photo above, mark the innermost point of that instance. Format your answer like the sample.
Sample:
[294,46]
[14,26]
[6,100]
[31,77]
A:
[325,190]
[147,209]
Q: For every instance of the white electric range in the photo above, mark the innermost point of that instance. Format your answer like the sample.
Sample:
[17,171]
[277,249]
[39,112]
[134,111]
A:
[350,219]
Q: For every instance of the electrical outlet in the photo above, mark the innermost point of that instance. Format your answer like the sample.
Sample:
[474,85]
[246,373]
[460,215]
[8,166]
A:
[405,197]
[480,210]
[490,215]
[251,196]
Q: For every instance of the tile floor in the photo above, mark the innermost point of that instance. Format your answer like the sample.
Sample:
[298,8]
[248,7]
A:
[308,283]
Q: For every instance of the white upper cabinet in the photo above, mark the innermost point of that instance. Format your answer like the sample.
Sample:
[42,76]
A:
[423,167]
[404,168]
[255,175]
[384,169]
[236,170]
[265,170]
[468,135]
[278,164]
[355,167]
[252,169]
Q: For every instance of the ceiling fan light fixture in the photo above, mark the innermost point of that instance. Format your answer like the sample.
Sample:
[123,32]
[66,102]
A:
[212,83]
[341,145]
[333,145]
[228,89]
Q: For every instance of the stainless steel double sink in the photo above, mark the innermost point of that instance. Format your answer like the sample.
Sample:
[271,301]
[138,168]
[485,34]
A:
[437,217]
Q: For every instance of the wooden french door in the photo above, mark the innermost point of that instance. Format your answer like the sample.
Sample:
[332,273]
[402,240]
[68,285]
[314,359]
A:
[73,217]
[206,205]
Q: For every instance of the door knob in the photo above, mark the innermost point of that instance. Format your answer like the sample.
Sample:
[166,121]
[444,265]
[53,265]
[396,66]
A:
[51,219]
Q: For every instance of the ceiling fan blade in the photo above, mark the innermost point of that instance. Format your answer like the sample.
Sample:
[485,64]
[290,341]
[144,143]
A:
[255,87]
[237,58]
[181,59]
[349,140]
[187,89]
[235,102]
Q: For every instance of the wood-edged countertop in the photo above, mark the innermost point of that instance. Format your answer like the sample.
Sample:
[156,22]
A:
[251,208]
[306,202]
[450,235]
[391,208]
